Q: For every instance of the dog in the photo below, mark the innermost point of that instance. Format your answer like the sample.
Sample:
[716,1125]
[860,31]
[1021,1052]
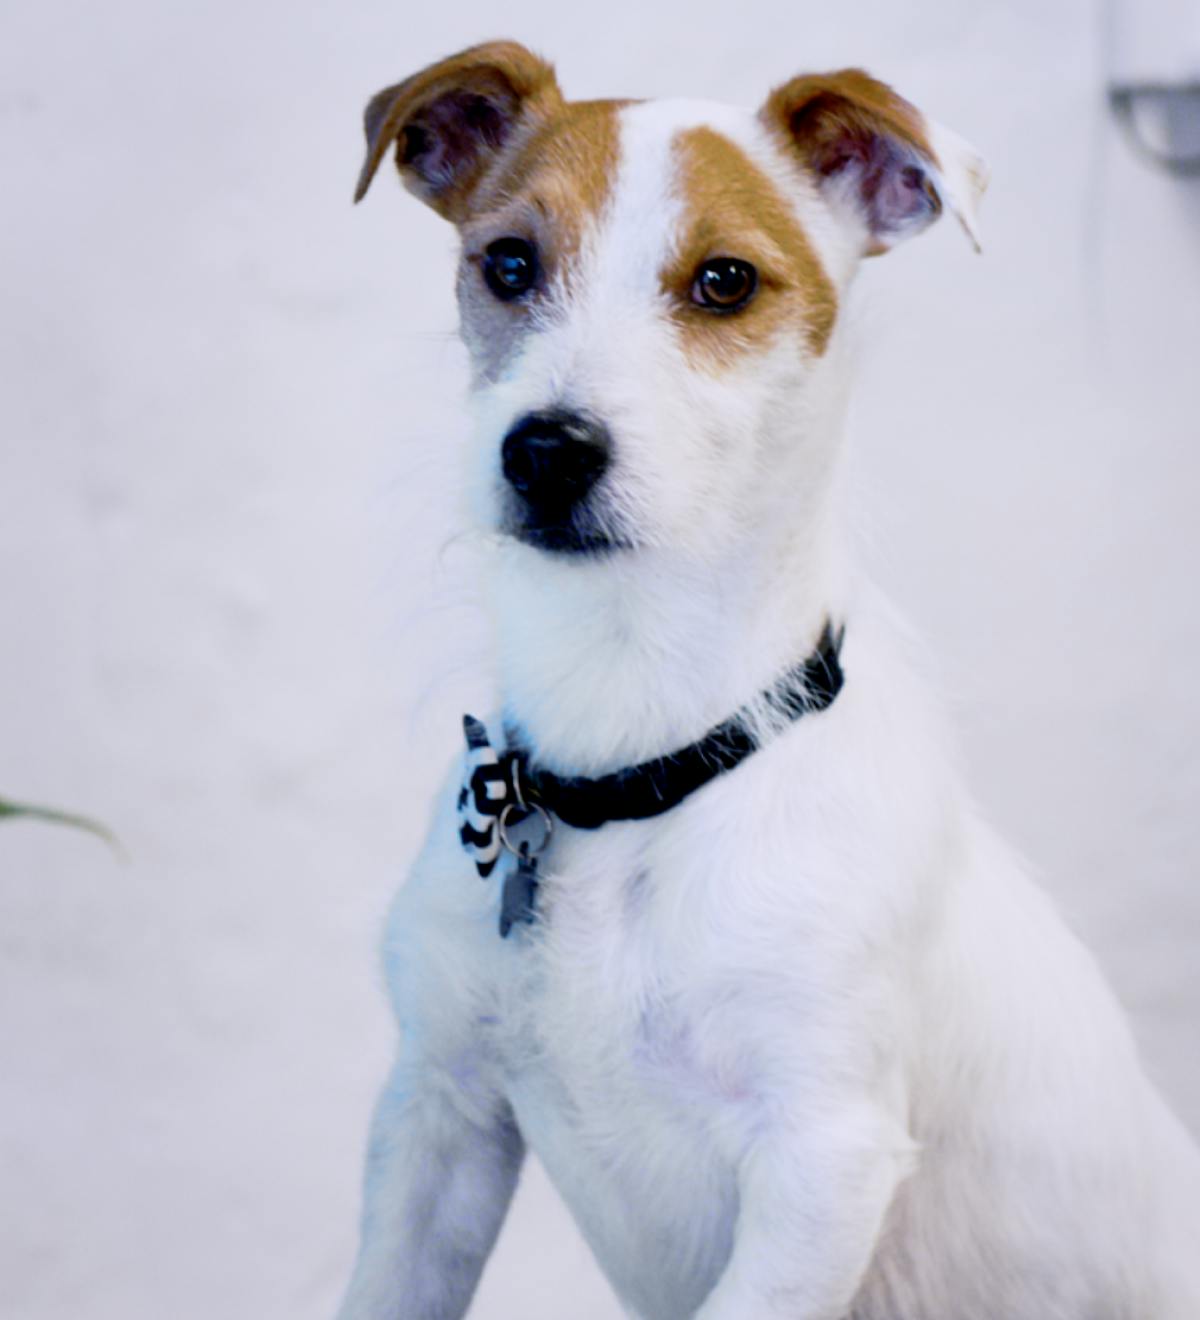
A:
[790,1029]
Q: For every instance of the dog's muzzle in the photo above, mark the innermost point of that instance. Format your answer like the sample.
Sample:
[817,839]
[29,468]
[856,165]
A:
[552,460]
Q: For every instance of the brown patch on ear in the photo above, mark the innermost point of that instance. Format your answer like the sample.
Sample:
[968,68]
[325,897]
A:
[820,111]
[450,121]
[732,208]
[848,126]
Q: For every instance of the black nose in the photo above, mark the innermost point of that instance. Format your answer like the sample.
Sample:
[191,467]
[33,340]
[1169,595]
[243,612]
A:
[552,459]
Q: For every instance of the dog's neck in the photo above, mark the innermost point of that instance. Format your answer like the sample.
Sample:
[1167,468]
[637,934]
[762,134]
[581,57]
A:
[608,662]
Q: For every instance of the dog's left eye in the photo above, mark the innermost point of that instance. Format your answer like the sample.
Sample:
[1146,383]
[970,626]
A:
[724,284]
[510,267]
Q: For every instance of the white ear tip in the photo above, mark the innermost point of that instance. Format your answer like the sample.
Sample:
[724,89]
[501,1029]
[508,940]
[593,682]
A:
[978,176]
[964,177]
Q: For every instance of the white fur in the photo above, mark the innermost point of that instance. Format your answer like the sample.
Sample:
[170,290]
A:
[811,1045]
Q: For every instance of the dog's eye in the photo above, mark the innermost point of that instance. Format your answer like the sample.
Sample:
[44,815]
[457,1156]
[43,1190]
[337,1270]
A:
[724,284]
[510,267]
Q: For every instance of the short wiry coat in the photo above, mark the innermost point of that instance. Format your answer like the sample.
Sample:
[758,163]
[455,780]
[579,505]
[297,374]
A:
[810,1045]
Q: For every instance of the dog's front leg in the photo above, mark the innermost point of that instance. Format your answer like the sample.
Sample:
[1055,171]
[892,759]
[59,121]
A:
[440,1174]
[812,1202]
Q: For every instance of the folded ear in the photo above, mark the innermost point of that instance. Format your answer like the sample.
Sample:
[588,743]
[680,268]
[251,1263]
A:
[451,120]
[873,152]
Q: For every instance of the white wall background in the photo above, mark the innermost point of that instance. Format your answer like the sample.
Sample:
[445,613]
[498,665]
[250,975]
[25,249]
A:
[238,628]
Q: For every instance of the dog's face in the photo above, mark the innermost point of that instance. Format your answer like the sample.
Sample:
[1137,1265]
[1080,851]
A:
[651,292]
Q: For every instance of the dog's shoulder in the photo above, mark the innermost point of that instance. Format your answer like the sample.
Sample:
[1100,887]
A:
[439,941]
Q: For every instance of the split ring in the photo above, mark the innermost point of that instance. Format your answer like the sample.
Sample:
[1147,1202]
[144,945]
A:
[529,809]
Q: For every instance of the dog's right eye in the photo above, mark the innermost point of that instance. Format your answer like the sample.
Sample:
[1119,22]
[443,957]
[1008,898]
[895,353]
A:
[510,267]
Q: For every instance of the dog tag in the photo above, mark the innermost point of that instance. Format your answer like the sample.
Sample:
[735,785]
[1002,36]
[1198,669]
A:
[518,902]
[518,898]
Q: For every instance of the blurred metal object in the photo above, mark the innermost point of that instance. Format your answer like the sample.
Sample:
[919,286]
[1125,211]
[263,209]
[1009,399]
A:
[1161,121]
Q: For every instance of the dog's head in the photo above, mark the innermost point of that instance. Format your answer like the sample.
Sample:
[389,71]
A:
[651,292]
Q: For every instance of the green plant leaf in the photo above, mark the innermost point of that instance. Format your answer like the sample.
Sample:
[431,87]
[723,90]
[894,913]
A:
[24,810]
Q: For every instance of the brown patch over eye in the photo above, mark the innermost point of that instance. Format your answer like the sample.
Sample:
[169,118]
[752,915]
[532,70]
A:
[743,254]
[541,197]
[564,169]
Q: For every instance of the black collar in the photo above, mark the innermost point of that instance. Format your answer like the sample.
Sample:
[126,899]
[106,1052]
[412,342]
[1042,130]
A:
[653,787]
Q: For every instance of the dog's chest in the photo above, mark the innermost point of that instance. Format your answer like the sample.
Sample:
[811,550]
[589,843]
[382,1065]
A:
[616,1049]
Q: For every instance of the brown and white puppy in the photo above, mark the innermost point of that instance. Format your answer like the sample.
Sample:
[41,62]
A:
[809,1045]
